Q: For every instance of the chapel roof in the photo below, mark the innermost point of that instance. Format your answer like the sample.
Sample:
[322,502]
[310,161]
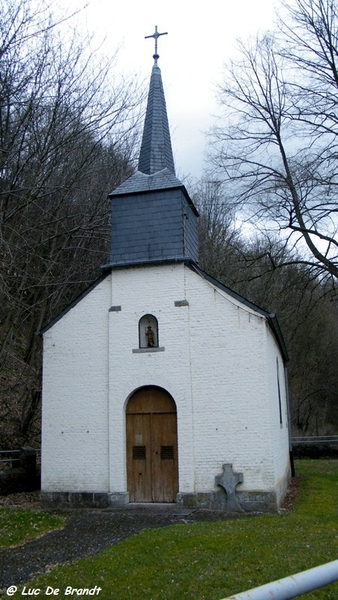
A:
[142,182]
[270,317]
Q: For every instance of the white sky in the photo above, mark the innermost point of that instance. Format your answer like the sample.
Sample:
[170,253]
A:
[201,37]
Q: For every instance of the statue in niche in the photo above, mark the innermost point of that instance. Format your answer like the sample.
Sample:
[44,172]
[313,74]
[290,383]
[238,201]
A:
[150,337]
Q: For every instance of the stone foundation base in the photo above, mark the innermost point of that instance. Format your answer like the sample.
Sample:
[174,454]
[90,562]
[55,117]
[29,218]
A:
[75,499]
[118,498]
[84,499]
[256,501]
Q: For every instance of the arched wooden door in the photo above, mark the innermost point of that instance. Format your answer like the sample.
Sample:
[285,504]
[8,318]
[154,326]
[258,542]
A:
[152,466]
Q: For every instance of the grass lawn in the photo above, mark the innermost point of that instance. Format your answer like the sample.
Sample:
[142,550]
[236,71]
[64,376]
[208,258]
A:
[209,561]
[20,525]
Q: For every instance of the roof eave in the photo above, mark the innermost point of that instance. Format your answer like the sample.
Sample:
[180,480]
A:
[270,317]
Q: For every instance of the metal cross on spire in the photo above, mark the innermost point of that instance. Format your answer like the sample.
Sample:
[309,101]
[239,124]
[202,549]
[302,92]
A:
[155,35]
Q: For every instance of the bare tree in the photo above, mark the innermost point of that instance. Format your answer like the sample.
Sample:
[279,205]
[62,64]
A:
[67,132]
[308,317]
[217,230]
[265,270]
[276,145]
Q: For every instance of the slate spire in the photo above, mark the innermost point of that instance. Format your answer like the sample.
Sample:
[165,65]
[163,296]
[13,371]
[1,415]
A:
[156,151]
[153,221]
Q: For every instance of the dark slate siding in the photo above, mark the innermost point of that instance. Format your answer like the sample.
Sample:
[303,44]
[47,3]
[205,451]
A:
[190,232]
[152,227]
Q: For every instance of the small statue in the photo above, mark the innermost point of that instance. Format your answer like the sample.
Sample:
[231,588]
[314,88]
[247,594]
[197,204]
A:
[150,337]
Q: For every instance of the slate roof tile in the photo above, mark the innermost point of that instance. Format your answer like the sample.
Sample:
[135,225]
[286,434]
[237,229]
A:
[142,182]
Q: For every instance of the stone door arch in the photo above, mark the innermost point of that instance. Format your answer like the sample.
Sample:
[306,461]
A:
[152,462]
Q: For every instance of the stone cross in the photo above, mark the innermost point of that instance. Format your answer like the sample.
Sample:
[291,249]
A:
[229,481]
[155,35]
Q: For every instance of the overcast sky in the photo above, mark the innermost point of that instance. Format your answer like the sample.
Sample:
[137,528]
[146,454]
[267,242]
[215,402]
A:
[201,37]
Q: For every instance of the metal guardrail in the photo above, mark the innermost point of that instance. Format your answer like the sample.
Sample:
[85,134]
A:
[10,457]
[315,439]
[293,586]
[18,470]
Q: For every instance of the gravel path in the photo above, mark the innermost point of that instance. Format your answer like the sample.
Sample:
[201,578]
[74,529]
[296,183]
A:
[86,533]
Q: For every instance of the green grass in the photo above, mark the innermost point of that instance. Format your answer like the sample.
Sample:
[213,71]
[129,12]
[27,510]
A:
[209,561]
[18,526]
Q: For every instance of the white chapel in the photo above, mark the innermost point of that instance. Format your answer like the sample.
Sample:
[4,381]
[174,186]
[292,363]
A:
[160,384]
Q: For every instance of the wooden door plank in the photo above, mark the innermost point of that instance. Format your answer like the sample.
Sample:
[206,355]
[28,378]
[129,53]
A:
[164,458]
[139,458]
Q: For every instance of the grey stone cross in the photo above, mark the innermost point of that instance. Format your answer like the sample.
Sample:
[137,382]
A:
[155,35]
[229,481]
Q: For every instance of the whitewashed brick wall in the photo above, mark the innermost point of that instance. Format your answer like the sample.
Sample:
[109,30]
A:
[279,430]
[75,387]
[218,364]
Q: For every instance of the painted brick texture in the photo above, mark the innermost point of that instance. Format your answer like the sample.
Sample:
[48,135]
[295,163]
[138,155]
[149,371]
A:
[218,363]
[75,387]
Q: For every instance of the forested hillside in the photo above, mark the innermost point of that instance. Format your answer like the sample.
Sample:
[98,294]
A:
[274,161]
[263,269]
[68,136]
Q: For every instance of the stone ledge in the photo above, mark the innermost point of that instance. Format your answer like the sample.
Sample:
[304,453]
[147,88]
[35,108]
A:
[145,350]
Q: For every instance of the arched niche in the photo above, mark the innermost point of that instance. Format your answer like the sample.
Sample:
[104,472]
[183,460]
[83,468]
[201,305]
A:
[148,332]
